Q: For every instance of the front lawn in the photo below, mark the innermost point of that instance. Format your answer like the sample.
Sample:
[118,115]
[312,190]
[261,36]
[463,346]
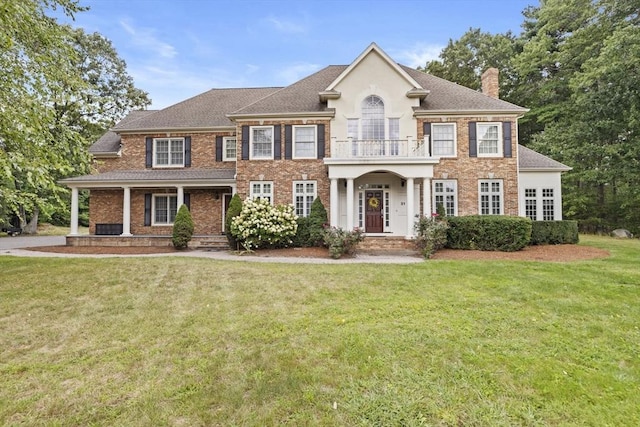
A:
[182,341]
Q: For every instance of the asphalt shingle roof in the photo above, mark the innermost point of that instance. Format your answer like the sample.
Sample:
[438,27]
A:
[532,160]
[110,141]
[206,110]
[154,175]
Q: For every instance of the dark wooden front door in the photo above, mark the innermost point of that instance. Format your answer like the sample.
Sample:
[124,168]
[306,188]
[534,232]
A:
[373,209]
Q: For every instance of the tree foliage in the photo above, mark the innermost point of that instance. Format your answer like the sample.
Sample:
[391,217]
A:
[59,89]
[182,228]
[575,65]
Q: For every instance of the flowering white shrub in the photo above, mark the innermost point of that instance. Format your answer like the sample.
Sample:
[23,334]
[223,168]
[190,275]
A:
[261,224]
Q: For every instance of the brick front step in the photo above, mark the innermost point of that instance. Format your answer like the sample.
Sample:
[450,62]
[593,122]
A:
[211,243]
[384,244]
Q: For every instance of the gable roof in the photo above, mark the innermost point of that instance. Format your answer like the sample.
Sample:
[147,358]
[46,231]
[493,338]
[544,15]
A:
[373,48]
[532,161]
[109,143]
[205,111]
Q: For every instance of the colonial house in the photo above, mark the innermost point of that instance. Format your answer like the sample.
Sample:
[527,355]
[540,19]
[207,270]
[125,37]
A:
[379,143]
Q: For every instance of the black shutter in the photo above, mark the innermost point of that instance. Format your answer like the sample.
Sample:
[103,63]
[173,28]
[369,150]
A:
[506,136]
[426,131]
[218,148]
[277,142]
[245,142]
[187,151]
[148,152]
[288,142]
[473,143]
[147,209]
[187,200]
[321,145]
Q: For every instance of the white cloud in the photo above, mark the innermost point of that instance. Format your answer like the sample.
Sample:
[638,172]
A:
[418,55]
[145,38]
[284,26]
[293,73]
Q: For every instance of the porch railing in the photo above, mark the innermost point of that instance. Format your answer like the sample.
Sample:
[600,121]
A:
[379,149]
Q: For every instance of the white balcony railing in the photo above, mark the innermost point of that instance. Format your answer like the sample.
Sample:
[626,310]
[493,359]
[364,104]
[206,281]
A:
[380,149]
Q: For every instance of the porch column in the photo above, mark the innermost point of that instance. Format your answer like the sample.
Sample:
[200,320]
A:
[180,198]
[234,189]
[126,212]
[410,208]
[426,197]
[74,212]
[333,203]
[349,203]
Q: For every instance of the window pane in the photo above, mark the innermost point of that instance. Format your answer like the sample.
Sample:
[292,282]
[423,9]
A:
[230,149]
[372,118]
[305,141]
[394,129]
[161,210]
[262,138]
[443,139]
[488,139]
[162,151]
[173,208]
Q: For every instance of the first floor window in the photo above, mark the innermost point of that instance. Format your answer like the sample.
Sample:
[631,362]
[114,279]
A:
[443,137]
[304,193]
[164,209]
[304,142]
[445,193]
[262,142]
[229,149]
[489,139]
[548,213]
[168,152]
[531,203]
[490,197]
[262,190]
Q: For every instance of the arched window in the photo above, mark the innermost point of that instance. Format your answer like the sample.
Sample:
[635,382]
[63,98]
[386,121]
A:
[372,118]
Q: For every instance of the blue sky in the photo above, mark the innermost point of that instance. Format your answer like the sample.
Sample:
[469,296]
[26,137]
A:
[176,49]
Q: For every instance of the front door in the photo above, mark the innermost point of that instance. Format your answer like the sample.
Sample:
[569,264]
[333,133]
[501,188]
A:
[373,217]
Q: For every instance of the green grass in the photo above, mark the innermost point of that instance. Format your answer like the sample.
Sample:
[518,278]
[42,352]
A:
[180,341]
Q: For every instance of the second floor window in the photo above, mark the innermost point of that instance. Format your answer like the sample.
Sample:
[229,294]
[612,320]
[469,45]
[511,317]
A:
[443,138]
[304,142]
[168,152]
[373,118]
[262,142]
[229,149]
[489,140]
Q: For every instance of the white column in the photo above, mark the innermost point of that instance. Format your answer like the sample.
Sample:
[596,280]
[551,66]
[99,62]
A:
[350,204]
[426,197]
[234,189]
[180,198]
[410,208]
[74,212]
[333,203]
[126,212]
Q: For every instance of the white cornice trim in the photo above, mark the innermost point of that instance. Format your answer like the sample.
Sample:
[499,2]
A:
[151,183]
[175,130]
[329,113]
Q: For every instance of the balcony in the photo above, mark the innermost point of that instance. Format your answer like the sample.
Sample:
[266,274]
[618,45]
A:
[366,151]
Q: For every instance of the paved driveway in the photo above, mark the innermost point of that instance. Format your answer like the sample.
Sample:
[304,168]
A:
[29,241]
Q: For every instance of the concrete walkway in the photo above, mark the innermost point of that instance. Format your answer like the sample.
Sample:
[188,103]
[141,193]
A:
[30,241]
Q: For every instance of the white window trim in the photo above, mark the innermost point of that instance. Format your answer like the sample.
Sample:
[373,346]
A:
[262,193]
[455,194]
[153,209]
[315,194]
[168,165]
[226,139]
[455,140]
[490,181]
[315,142]
[500,139]
[251,129]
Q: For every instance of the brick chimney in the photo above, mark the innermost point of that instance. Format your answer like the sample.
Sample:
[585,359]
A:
[490,83]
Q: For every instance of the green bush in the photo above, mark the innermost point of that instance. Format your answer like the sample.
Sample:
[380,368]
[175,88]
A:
[235,207]
[554,232]
[489,232]
[260,224]
[302,238]
[182,228]
[318,220]
[431,234]
[341,242]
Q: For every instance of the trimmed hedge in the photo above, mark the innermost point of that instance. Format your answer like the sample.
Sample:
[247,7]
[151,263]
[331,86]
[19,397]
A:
[488,232]
[554,232]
